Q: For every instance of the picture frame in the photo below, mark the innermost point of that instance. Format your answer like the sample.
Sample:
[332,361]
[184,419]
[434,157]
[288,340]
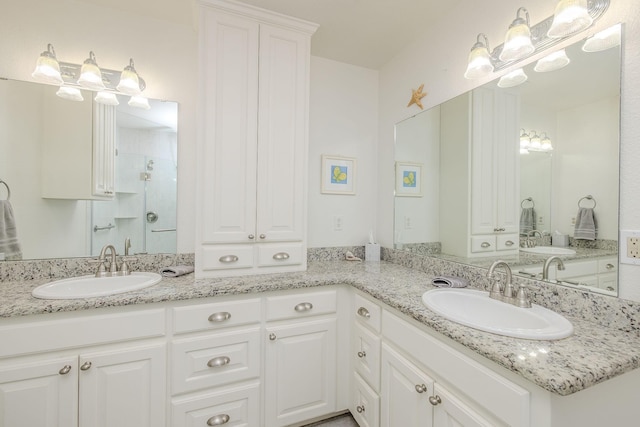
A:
[408,179]
[338,175]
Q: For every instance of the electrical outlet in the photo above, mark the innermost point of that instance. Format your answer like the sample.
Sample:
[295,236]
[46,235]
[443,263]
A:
[408,223]
[337,223]
[630,247]
[633,247]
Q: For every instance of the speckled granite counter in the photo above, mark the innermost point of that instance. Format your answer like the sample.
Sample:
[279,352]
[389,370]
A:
[596,352]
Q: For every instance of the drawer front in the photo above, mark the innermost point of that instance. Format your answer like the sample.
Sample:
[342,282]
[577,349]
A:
[608,265]
[281,254]
[367,312]
[237,406]
[215,360]
[366,355]
[483,243]
[576,269]
[217,315]
[301,305]
[507,242]
[365,404]
[227,257]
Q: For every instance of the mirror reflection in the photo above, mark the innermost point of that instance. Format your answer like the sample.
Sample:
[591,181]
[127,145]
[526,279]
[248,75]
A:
[520,173]
[82,174]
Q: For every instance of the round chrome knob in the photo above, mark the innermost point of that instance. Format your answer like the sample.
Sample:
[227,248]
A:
[85,366]
[362,354]
[421,388]
[363,312]
[263,236]
[435,400]
[272,336]
[360,409]
[251,236]
[65,370]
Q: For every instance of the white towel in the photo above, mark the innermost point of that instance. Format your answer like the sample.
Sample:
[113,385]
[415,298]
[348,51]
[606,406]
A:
[586,225]
[450,282]
[9,244]
[527,220]
[177,270]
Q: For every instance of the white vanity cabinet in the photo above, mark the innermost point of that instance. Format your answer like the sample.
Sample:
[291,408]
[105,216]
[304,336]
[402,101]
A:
[84,370]
[79,165]
[253,138]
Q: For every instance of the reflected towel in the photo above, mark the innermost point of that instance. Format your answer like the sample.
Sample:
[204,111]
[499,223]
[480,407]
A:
[450,282]
[586,225]
[177,270]
[527,220]
[9,244]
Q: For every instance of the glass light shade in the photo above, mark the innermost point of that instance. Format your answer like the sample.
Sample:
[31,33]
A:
[479,63]
[514,78]
[535,142]
[552,62]
[571,16]
[106,98]
[139,102]
[545,144]
[90,74]
[524,151]
[524,141]
[47,68]
[129,81]
[517,43]
[70,93]
[606,39]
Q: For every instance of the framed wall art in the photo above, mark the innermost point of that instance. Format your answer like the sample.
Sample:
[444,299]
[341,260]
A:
[408,179]
[338,175]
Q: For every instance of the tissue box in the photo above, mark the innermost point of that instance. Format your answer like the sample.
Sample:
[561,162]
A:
[561,240]
[372,252]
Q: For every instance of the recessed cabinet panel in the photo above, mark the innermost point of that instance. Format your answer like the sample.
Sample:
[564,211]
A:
[226,257]
[280,254]
[301,305]
[366,355]
[365,405]
[451,411]
[217,315]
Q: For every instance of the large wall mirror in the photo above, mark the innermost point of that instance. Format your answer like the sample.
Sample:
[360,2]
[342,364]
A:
[38,131]
[527,199]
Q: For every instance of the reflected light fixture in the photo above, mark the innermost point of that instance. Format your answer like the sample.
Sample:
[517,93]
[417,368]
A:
[570,17]
[90,74]
[524,139]
[605,39]
[479,63]
[552,62]
[545,144]
[536,142]
[70,93]
[106,98]
[129,82]
[514,78]
[139,101]
[47,68]
[517,42]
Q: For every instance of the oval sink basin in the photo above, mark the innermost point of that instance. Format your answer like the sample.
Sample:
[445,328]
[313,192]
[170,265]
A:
[91,286]
[549,250]
[475,309]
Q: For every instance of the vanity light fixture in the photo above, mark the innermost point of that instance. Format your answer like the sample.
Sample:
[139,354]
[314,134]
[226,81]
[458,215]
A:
[570,17]
[90,74]
[525,140]
[139,101]
[545,144]
[514,78]
[517,42]
[479,63]
[47,68]
[106,98]
[536,142]
[70,93]
[129,82]
[552,62]
[605,39]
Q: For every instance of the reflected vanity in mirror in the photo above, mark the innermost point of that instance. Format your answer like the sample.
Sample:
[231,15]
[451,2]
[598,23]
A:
[71,192]
[509,168]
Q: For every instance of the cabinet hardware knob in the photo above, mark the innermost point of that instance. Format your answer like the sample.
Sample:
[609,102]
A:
[65,370]
[435,400]
[218,362]
[251,236]
[303,306]
[363,312]
[610,266]
[485,245]
[281,256]
[220,317]
[85,366]
[421,388]
[362,354]
[228,259]
[263,236]
[360,408]
[218,420]
[272,336]
[509,243]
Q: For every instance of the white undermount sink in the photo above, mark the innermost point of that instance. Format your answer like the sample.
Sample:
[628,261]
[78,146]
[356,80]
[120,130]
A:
[91,286]
[475,309]
[549,250]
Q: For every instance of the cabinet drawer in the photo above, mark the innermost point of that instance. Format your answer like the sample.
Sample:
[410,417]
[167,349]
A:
[483,243]
[301,305]
[237,406]
[365,404]
[227,257]
[281,254]
[215,360]
[216,315]
[576,269]
[366,312]
[366,355]
[607,265]
[507,242]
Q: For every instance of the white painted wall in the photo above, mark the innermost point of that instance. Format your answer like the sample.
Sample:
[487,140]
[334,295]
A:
[438,59]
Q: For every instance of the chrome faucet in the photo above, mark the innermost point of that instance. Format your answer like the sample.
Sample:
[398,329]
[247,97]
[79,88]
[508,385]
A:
[507,294]
[529,242]
[113,266]
[547,264]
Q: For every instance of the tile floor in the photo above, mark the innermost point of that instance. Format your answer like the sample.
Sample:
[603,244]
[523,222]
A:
[340,421]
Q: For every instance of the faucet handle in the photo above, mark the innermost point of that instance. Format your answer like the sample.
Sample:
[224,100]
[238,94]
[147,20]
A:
[101,271]
[522,297]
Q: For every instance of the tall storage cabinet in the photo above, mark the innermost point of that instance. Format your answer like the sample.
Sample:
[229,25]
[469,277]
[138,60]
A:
[253,124]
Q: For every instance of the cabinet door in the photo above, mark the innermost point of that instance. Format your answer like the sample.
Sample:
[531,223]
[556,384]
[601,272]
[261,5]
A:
[228,122]
[365,404]
[300,371]
[282,134]
[404,393]
[507,162]
[104,150]
[43,393]
[123,388]
[451,411]
[366,355]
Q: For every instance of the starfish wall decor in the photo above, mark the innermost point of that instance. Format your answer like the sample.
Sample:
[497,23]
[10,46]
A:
[416,97]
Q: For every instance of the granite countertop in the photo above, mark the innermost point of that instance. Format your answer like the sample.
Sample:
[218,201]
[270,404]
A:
[594,353]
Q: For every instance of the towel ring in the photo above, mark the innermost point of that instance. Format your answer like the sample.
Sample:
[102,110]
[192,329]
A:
[8,189]
[589,197]
[528,199]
